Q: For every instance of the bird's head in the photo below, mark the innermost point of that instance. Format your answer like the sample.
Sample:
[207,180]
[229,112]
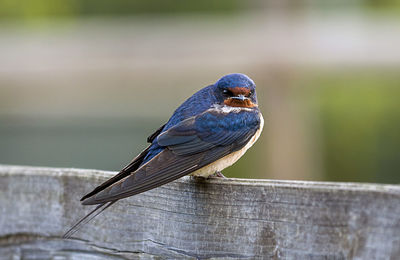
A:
[236,90]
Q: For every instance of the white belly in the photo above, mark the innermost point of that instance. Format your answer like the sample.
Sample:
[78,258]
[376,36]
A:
[230,159]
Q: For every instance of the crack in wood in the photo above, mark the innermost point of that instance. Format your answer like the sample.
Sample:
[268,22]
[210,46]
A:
[227,219]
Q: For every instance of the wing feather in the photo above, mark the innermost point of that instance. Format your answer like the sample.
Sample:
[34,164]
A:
[188,146]
[208,130]
[128,169]
[131,167]
[163,168]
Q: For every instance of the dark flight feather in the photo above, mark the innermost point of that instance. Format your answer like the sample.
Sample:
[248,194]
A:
[131,167]
[151,138]
[163,168]
[187,150]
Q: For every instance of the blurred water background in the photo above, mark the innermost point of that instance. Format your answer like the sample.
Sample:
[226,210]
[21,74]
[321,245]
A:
[83,83]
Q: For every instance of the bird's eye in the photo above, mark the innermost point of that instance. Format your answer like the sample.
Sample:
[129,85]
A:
[227,92]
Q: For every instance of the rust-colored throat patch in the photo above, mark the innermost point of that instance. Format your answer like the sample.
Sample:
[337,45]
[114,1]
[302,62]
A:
[232,102]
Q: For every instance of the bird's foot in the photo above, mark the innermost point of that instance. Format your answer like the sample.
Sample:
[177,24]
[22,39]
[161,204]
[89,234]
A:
[217,174]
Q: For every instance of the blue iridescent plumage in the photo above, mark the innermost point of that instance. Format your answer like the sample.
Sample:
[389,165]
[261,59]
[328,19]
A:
[203,100]
[209,132]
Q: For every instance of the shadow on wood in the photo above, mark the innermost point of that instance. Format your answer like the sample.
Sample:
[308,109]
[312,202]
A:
[197,219]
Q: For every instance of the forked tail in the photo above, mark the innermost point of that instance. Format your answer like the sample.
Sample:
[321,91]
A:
[100,208]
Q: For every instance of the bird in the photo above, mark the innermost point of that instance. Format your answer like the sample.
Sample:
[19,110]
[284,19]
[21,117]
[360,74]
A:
[208,132]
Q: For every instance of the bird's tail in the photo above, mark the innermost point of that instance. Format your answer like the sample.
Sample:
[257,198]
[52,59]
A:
[100,208]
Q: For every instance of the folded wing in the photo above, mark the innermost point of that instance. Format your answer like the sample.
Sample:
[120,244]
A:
[189,146]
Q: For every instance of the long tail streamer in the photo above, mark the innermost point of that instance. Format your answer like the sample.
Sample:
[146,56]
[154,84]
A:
[100,208]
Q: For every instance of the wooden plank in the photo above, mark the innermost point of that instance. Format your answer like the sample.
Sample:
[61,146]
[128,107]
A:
[197,219]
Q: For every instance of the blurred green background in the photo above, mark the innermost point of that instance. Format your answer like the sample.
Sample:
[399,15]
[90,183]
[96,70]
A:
[83,83]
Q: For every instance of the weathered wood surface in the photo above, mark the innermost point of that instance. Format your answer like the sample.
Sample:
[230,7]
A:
[203,219]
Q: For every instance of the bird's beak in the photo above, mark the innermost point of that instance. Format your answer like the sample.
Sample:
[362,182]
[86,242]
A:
[240,97]
[239,100]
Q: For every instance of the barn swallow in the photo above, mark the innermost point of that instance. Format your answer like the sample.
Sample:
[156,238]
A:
[209,132]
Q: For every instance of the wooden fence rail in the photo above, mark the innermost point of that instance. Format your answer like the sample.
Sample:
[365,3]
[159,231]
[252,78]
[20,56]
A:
[197,219]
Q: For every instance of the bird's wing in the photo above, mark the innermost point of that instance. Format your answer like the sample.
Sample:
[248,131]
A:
[208,130]
[128,169]
[151,138]
[190,145]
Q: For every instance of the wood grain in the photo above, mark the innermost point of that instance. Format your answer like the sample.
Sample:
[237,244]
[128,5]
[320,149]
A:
[197,219]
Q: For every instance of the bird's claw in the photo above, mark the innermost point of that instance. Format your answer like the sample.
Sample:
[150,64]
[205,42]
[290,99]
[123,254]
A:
[217,174]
